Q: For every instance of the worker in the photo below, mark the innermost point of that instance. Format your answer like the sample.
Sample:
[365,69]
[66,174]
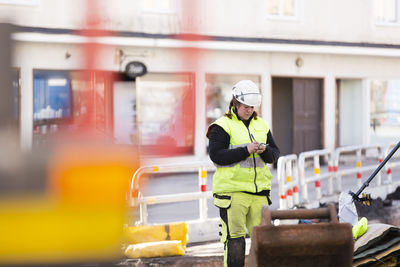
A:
[240,145]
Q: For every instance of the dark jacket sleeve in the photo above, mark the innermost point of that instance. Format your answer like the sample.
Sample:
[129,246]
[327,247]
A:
[218,147]
[271,153]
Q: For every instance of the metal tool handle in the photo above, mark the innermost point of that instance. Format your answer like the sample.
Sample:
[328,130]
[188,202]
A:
[319,213]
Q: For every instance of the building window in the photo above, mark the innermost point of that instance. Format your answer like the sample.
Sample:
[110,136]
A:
[387,11]
[350,126]
[52,95]
[125,113]
[282,8]
[158,6]
[385,111]
[219,93]
[62,101]
[166,113]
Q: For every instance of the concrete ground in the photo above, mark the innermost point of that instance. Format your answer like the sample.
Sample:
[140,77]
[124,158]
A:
[208,254]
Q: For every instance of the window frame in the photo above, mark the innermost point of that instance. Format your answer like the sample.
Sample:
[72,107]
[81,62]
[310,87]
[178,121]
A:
[280,16]
[58,73]
[208,76]
[146,149]
[173,10]
[374,135]
[71,120]
[385,21]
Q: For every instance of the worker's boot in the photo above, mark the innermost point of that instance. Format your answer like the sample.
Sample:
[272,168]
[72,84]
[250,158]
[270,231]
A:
[235,252]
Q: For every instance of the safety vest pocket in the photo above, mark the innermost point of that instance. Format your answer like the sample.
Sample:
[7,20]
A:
[222,200]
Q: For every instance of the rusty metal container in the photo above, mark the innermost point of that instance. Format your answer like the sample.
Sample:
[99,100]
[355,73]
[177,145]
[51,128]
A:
[317,244]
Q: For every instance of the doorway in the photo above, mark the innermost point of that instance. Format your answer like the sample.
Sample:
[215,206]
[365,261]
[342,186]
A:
[349,112]
[297,114]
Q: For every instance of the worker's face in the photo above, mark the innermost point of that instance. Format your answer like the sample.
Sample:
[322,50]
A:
[245,111]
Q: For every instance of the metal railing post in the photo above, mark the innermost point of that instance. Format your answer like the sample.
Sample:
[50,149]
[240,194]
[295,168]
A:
[380,159]
[330,179]
[281,182]
[203,189]
[302,177]
[289,192]
[358,165]
[296,197]
[317,171]
[335,169]
[388,169]
[142,210]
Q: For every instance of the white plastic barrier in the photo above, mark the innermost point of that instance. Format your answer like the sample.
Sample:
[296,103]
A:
[143,201]
[288,165]
[288,180]
[358,169]
[203,229]
[389,167]
[317,176]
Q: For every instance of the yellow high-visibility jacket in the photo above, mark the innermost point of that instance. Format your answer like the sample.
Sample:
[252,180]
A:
[249,175]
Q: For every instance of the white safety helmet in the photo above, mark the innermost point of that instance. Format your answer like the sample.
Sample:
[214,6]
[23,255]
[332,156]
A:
[247,92]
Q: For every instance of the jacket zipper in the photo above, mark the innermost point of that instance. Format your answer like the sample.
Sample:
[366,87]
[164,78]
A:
[254,160]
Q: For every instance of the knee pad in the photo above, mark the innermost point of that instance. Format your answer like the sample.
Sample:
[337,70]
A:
[235,251]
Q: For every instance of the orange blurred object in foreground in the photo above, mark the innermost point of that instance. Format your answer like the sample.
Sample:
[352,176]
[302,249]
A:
[92,176]
[81,219]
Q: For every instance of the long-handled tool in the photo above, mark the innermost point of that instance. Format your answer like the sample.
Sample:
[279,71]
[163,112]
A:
[347,209]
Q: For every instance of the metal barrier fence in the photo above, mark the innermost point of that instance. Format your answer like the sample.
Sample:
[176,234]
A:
[293,178]
[358,169]
[389,166]
[288,180]
[317,176]
[335,172]
[143,201]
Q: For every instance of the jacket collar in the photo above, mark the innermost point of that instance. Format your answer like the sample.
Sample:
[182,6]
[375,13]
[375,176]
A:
[234,112]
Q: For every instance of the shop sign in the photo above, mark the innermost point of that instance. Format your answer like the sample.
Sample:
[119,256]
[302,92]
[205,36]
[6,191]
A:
[135,69]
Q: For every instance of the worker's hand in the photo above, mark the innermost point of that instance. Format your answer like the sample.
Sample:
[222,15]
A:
[261,148]
[253,147]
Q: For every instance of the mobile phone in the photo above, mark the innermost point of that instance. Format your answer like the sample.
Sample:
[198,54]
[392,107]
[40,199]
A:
[261,146]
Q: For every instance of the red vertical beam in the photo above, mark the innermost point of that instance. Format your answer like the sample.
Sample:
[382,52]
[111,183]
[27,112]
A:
[190,57]
[92,52]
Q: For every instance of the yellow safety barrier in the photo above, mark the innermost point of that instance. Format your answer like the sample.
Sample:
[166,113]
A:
[151,233]
[155,249]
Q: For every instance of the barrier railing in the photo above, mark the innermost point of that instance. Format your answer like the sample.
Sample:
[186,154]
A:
[358,169]
[291,174]
[389,166]
[288,180]
[143,201]
[318,176]
[288,165]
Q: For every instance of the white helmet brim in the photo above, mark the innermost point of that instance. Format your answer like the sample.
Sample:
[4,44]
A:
[251,99]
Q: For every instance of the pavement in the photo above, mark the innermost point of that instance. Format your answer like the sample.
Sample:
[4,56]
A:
[207,254]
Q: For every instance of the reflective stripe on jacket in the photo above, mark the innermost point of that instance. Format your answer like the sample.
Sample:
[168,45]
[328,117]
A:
[249,175]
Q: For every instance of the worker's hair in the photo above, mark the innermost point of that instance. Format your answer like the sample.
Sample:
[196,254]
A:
[235,103]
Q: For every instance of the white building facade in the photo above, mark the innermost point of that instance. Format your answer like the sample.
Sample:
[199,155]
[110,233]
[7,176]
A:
[329,71]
